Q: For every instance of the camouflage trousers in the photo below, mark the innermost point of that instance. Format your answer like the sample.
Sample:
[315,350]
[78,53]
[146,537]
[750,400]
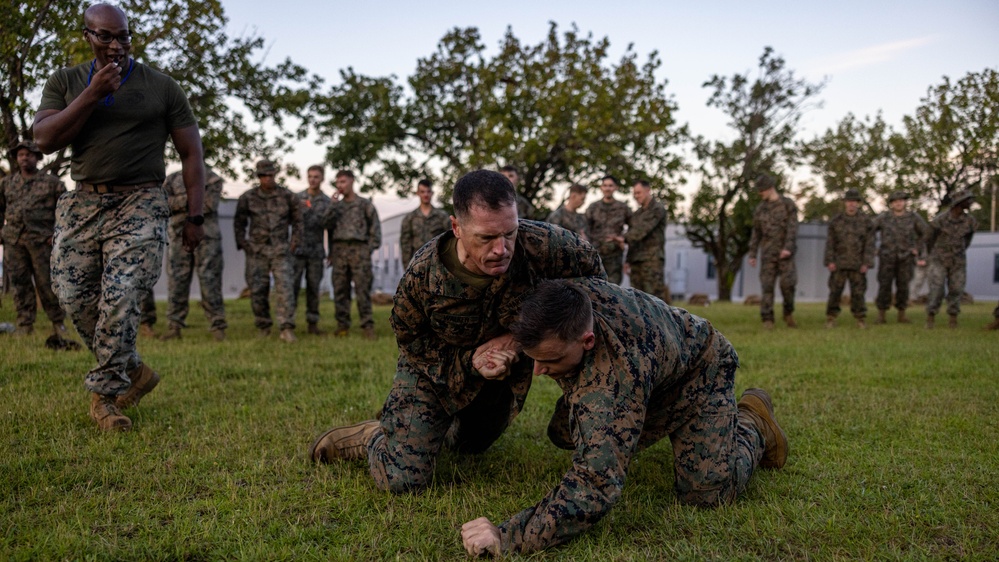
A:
[415,425]
[207,261]
[29,270]
[613,265]
[147,309]
[259,267]
[352,262]
[647,276]
[955,275]
[770,270]
[715,450]
[898,271]
[858,292]
[108,252]
[312,268]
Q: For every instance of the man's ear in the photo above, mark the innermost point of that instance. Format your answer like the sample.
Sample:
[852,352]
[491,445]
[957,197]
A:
[455,227]
[589,340]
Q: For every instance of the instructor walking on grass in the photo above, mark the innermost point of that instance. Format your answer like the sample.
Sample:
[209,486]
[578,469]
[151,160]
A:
[116,114]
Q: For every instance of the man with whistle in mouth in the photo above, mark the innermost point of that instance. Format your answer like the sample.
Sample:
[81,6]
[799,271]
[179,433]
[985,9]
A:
[116,114]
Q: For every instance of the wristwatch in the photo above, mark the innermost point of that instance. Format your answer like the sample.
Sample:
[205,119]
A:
[196,220]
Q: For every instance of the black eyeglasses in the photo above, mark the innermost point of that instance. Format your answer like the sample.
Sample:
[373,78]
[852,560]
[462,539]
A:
[107,38]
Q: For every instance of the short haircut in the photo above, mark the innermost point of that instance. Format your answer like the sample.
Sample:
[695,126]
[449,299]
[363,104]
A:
[484,188]
[318,168]
[644,184]
[611,178]
[345,173]
[425,182]
[509,168]
[578,188]
[557,309]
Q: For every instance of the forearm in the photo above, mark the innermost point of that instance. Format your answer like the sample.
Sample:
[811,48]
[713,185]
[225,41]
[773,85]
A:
[55,129]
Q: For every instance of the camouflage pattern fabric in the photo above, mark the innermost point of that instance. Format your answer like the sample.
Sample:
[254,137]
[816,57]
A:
[418,229]
[947,244]
[902,244]
[309,260]
[569,220]
[647,276]
[655,372]
[356,233]
[850,246]
[108,251]
[28,207]
[259,268]
[352,263]
[646,236]
[439,321]
[147,308]
[524,208]
[603,220]
[775,228]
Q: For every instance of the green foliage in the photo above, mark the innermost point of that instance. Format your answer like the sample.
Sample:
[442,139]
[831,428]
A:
[245,107]
[894,451]
[558,111]
[764,112]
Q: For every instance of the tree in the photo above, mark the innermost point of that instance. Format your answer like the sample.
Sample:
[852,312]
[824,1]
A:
[951,141]
[763,112]
[244,107]
[854,155]
[558,110]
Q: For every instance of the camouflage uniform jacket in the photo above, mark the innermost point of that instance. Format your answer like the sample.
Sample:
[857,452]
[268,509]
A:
[439,321]
[418,229]
[606,219]
[775,228]
[902,236]
[569,220]
[270,215]
[28,206]
[850,241]
[354,221]
[313,223]
[177,199]
[949,237]
[644,349]
[646,235]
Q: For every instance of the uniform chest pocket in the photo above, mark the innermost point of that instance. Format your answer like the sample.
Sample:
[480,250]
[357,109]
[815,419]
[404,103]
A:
[460,330]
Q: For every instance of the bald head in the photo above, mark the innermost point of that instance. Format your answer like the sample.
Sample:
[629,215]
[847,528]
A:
[105,14]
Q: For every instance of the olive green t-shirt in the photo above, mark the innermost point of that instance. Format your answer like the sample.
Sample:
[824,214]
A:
[122,143]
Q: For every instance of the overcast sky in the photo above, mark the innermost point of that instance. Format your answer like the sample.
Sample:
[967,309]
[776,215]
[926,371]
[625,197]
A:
[877,55]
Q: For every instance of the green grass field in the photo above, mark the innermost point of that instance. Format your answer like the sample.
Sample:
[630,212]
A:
[894,435]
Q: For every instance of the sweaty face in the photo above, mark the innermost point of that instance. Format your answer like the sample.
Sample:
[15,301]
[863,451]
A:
[608,187]
[27,160]
[107,21]
[315,178]
[554,357]
[425,194]
[487,238]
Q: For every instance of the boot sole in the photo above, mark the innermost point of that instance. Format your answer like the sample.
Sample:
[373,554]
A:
[758,402]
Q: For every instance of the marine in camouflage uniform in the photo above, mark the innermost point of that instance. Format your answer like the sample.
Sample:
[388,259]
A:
[206,259]
[903,245]
[633,371]
[445,312]
[116,113]
[147,314]
[775,239]
[947,243]
[646,238]
[274,218]
[27,204]
[849,254]
[525,209]
[310,259]
[605,222]
[568,216]
[355,233]
[422,224]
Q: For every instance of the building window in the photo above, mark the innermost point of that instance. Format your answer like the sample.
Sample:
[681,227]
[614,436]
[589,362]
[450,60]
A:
[711,268]
[995,269]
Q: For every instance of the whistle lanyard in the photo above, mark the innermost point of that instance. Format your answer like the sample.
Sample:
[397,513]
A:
[109,100]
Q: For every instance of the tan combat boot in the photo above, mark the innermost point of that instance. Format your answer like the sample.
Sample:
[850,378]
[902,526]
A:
[144,380]
[369,333]
[264,333]
[881,317]
[288,336]
[993,326]
[929,321]
[952,321]
[344,443]
[341,333]
[146,331]
[756,407]
[861,323]
[830,321]
[314,329]
[107,415]
[789,320]
[902,319]
[768,324]
[218,334]
[172,333]
[24,330]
